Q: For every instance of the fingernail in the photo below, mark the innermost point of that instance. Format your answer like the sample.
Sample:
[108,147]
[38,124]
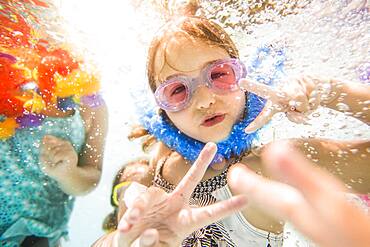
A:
[147,239]
[123,225]
[210,145]
[134,214]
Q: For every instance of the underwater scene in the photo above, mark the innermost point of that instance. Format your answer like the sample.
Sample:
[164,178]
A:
[101,99]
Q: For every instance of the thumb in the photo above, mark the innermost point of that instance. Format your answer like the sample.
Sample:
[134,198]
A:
[149,238]
[264,117]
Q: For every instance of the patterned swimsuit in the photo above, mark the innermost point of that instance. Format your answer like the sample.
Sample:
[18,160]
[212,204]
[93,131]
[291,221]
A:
[31,203]
[216,234]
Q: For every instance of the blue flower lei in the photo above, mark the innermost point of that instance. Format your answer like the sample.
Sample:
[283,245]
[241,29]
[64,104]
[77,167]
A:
[238,142]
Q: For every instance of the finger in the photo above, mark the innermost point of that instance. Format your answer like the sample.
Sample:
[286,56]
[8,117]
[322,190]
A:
[53,156]
[264,117]
[132,216]
[297,117]
[121,239]
[149,238]
[48,146]
[195,174]
[299,103]
[64,154]
[212,213]
[50,142]
[283,201]
[320,189]
[123,225]
[47,158]
[140,205]
[264,91]
[288,165]
[51,139]
[314,99]
[53,148]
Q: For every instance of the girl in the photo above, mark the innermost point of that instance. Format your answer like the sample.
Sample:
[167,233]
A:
[195,75]
[135,171]
[52,131]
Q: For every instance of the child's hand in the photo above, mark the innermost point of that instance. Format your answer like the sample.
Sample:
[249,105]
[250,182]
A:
[297,98]
[170,213]
[58,158]
[308,197]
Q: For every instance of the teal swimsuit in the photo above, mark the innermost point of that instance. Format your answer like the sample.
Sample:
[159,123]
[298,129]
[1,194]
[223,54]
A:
[31,203]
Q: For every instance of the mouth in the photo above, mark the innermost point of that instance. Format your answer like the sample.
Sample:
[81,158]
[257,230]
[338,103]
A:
[213,120]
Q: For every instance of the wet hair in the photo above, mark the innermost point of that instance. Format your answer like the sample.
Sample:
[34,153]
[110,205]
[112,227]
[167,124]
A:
[193,28]
[110,222]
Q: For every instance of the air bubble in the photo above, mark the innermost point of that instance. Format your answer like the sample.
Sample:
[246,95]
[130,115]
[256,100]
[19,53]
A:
[342,107]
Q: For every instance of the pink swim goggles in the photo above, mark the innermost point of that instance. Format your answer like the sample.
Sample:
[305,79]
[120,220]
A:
[222,76]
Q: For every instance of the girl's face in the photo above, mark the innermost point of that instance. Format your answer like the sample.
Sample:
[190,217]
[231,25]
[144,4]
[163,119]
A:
[209,116]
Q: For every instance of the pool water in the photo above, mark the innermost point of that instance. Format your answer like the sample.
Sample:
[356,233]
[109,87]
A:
[327,38]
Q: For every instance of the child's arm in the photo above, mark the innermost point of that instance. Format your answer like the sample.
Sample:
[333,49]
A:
[77,173]
[305,94]
[352,98]
[348,160]
[304,195]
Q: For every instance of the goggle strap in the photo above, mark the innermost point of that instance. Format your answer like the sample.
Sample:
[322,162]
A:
[115,190]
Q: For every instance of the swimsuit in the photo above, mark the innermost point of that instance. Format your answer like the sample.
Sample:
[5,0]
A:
[231,231]
[31,203]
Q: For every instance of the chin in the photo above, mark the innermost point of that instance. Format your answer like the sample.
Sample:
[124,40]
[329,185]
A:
[214,136]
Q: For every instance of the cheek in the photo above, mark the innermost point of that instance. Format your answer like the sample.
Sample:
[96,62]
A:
[186,122]
[179,119]
[235,101]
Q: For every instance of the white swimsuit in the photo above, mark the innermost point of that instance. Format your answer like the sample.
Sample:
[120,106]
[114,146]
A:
[241,231]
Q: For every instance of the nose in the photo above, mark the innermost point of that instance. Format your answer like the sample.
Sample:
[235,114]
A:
[204,97]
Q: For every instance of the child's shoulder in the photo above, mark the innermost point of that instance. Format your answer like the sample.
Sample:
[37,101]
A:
[169,163]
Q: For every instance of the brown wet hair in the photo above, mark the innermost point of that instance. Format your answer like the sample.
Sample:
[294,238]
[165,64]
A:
[193,28]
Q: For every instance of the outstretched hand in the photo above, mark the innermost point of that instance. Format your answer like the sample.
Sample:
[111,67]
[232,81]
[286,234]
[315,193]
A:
[58,157]
[157,218]
[297,98]
[310,198]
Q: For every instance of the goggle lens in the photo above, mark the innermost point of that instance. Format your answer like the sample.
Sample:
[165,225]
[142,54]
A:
[175,93]
[222,76]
